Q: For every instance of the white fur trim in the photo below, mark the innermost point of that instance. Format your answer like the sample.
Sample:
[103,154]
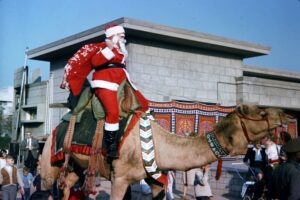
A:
[128,78]
[104,84]
[111,127]
[107,53]
[114,30]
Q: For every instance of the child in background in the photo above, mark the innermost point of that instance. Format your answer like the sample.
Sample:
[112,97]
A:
[10,178]
[37,179]
[27,179]
[201,184]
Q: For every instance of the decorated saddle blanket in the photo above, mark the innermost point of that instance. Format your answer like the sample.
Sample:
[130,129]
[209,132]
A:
[83,136]
[84,133]
[87,111]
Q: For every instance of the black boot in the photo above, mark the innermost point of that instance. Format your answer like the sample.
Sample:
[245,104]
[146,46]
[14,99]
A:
[110,138]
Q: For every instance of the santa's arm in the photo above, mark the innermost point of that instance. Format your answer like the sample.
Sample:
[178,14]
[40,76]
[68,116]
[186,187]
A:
[102,57]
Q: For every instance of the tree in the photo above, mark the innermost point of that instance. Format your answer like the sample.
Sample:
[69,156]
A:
[4,142]
[5,125]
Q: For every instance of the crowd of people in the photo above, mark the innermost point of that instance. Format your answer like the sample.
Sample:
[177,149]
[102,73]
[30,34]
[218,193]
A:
[275,168]
[269,165]
[18,184]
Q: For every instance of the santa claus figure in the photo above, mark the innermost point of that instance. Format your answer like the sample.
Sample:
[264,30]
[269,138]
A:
[108,59]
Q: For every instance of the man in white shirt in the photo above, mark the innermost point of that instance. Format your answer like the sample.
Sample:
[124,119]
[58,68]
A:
[272,151]
[30,149]
[257,160]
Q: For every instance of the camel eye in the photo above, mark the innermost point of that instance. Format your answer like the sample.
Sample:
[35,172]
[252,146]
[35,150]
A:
[263,113]
[230,139]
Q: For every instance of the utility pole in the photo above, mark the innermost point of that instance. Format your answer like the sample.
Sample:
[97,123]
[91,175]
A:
[22,99]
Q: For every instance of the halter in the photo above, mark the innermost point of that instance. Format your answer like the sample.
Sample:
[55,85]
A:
[257,120]
[215,145]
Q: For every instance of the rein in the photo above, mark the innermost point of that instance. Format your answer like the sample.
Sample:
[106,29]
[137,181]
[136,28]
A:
[244,126]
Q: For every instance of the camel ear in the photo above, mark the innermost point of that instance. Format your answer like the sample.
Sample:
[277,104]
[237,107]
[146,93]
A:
[242,109]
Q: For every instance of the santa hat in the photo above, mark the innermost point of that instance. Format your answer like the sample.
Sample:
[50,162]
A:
[113,30]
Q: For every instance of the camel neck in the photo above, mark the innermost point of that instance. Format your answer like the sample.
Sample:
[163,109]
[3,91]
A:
[181,153]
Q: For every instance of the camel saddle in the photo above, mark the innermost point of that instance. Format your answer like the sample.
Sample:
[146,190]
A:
[128,104]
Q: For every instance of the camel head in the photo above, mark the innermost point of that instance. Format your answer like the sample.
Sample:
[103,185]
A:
[248,124]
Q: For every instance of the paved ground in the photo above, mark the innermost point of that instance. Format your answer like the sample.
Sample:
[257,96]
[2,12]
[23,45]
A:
[137,193]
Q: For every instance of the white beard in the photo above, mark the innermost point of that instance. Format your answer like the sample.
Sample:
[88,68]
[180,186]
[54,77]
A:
[123,48]
[115,39]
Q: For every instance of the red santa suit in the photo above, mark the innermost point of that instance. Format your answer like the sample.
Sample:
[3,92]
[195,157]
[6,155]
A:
[109,73]
[109,65]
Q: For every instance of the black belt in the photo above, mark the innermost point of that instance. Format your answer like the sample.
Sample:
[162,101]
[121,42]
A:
[109,66]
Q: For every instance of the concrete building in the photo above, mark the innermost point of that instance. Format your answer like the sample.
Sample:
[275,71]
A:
[33,109]
[168,63]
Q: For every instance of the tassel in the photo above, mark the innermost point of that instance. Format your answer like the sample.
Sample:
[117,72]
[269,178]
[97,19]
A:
[219,169]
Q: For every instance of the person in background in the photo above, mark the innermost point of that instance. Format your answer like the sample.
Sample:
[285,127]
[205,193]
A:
[27,179]
[37,184]
[30,149]
[171,178]
[10,178]
[2,158]
[201,184]
[188,176]
[2,161]
[273,154]
[258,160]
[285,137]
[286,177]
[41,195]
[188,180]
[145,188]
[272,151]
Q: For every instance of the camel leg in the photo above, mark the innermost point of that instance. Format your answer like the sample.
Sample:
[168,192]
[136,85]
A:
[70,180]
[48,173]
[118,188]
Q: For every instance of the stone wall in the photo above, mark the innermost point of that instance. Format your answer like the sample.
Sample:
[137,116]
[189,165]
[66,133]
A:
[164,72]
[268,92]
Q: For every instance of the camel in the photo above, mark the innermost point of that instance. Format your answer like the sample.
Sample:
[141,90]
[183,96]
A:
[245,125]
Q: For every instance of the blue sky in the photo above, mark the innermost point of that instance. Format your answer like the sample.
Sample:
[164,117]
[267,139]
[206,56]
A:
[33,23]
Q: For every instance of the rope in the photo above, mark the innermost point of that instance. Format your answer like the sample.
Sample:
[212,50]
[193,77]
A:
[69,135]
[96,162]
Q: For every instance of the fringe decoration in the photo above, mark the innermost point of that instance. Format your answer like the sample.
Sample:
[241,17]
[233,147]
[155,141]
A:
[69,135]
[95,160]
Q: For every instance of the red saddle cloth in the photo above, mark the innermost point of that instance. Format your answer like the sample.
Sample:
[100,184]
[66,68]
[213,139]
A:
[58,155]
[86,150]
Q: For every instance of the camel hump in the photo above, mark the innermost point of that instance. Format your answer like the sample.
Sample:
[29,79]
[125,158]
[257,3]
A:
[128,103]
